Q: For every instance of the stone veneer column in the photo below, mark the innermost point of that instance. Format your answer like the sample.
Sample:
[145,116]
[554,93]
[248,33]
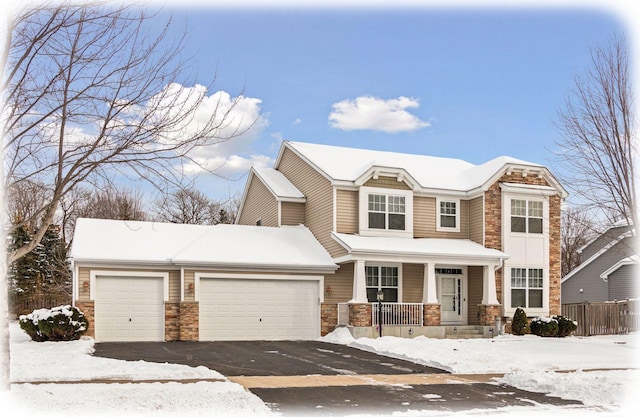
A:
[488,314]
[431,314]
[360,315]
[328,318]
[189,321]
[88,309]
[171,322]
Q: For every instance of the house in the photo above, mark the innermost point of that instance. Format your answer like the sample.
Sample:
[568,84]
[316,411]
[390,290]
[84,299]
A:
[608,269]
[319,237]
[446,243]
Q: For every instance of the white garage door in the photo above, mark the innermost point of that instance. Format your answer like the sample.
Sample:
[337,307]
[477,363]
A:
[129,309]
[258,309]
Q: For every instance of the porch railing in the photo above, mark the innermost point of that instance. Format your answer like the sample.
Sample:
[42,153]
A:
[398,314]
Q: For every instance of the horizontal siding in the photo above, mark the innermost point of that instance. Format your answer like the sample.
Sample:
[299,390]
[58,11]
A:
[622,283]
[476,220]
[259,204]
[347,207]
[474,294]
[319,194]
[412,283]
[292,213]
[387,182]
[189,279]
[424,219]
[339,286]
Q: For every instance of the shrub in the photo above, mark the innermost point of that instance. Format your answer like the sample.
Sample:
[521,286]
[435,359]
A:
[58,324]
[520,324]
[566,326]
[544,326]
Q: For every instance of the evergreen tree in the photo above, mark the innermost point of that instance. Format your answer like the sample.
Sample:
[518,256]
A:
[22,273]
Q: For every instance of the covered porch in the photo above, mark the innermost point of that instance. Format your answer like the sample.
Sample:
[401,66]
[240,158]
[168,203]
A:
[430,287]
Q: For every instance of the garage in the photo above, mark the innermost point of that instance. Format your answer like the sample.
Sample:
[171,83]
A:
[129,308]
[259,309]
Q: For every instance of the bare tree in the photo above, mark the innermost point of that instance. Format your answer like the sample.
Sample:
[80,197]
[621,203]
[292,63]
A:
[112,203]
[188,206]
[598,145]
[578,228]
[92,94]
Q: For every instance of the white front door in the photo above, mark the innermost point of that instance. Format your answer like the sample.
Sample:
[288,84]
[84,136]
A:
[452,296]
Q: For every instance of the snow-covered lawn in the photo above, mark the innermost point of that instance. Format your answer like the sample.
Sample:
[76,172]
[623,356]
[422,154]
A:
[529,363]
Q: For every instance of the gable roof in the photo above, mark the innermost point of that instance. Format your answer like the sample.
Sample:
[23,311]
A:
[345,166]
[281,188]
[223,245]
[631,260]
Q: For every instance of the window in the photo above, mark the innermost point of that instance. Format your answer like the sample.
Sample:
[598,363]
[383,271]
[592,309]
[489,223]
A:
[527,287]
[383,278]
[448,215]
[386,212]
[526,216]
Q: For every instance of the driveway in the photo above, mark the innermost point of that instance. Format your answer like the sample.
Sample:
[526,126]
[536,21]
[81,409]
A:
[316,378]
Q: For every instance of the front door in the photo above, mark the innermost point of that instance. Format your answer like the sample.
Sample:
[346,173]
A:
[452,296]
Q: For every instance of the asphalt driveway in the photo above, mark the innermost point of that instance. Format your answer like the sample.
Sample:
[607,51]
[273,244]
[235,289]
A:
[315,378]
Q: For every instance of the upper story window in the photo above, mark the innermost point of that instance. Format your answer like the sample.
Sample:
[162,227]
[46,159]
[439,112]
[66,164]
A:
[448,215]
[386,212]
[526,216]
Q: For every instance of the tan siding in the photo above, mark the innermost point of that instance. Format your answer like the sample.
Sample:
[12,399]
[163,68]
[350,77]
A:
[424,219]
[474,293]
[476,220]
[340,284]
[347,207]
[292,213]
[412,283]
[319,193]
[83,276]
[259,204]
[387,182]
[174,286]
[189,279]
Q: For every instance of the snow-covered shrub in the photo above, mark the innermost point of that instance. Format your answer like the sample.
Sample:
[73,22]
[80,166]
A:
[566,326]
[58,324]
[544,326]
[520,324]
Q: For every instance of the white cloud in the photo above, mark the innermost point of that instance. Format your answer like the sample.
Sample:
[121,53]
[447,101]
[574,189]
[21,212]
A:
[372,113]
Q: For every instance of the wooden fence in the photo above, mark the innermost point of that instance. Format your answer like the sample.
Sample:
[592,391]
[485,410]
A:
[611,317]
[19,307]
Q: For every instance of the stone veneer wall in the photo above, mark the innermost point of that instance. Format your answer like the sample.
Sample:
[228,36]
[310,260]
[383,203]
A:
[431,315]
[488,314]
[189,321]
[328,318]
[493,232]
[88,309]
[171,322]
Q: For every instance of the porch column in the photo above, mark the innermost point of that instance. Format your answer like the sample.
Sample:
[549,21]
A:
[489,296]
[359,283]
[429,295]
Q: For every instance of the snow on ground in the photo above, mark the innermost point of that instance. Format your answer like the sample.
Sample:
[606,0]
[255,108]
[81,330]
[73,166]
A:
[528,362]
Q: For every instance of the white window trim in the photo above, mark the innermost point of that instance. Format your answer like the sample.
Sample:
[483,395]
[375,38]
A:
[363,208]
[510,311]
[441,228]
[128,274]
[391,264]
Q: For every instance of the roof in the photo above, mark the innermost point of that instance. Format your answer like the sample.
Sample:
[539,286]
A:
[279,185]
[229,246]
[631,260]
[423,248]
[342,164]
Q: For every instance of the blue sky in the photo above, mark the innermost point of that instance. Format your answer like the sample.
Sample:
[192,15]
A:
[462,83]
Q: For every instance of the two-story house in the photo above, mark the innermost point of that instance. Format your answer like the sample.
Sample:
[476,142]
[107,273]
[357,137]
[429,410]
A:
[320,237]
[445,242]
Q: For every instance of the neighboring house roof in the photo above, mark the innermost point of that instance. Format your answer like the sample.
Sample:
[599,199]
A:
[463,249]
[631,260]
[229,246]
[279,185]
[348,165]
[614,241]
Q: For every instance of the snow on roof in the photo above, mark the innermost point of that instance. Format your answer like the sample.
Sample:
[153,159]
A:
[279,185]
[348,164]
[97,240]
[423,247]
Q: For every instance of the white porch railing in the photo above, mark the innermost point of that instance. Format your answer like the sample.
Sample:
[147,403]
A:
[398,314]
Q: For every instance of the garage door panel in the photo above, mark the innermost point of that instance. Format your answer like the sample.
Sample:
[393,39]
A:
[258,309]
[129,308]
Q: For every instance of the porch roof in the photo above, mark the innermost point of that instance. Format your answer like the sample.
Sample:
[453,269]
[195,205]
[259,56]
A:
[458,251]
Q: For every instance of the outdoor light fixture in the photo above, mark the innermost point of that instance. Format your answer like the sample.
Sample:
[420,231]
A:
[380,297]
